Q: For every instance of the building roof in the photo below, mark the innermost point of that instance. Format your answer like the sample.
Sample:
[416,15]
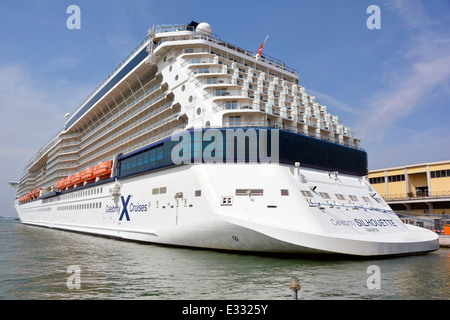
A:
[411,165]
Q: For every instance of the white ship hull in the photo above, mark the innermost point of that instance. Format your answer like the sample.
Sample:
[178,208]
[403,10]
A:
[205,206]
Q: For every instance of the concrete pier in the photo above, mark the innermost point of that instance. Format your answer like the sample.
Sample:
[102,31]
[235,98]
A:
[444,241]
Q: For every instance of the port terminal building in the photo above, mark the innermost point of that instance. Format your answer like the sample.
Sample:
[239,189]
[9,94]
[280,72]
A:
[420,191]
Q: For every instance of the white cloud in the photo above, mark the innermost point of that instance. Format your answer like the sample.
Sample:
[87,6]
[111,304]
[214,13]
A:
[335,103]
[32,109]
[16,153]
[426,145]
[397,103]
[421,68]
[27,109]
[62,63]
[120,36]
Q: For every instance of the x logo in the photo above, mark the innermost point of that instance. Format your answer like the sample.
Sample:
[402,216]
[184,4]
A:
[125,210]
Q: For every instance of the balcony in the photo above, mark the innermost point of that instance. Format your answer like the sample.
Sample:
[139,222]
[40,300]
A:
[234,105]
[225,93]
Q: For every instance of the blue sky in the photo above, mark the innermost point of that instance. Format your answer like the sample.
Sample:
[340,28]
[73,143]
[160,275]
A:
[391,86]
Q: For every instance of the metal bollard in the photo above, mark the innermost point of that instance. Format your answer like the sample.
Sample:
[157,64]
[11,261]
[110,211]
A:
[294,285]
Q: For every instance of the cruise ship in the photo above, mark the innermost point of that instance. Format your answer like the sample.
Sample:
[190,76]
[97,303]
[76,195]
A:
[193,141]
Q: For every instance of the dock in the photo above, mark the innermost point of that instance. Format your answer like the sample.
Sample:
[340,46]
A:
[444,241]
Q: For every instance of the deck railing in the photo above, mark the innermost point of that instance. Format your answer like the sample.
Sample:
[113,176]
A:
[216,39]
[417,196]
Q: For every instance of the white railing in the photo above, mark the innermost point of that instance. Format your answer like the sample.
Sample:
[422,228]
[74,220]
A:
[98,133]
[127,134]
[91,135]
[215,39]
[136,49]
[111,136]
[43,150]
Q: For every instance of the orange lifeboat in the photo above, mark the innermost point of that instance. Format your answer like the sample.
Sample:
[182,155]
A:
[59,184]
[76,179]
[62,184]
[69,183]
[65,182]
[88,175]
[103,170]
[37,193]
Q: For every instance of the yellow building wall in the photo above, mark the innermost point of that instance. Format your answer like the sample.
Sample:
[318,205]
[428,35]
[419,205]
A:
[397,189]
[418,169]
[440,185]
[376,174]
[435,167]
[417,180]
[380,188]
[395,172]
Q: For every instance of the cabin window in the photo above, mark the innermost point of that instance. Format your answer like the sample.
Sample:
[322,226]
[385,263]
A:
[230,105]
[340,196]
[324,195]
[306,193]
[235,120]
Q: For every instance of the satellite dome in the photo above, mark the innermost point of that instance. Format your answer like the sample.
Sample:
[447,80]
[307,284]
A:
[204,28]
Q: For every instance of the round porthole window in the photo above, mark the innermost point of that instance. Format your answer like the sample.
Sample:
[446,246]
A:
[191,99]
[207,124]
[170,68]
[176,77]
[199,110]
[183,88]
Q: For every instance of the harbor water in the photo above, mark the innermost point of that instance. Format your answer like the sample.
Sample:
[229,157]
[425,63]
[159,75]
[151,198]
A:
[45,264]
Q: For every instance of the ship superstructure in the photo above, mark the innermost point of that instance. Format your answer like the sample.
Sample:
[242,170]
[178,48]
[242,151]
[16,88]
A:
[112,170]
